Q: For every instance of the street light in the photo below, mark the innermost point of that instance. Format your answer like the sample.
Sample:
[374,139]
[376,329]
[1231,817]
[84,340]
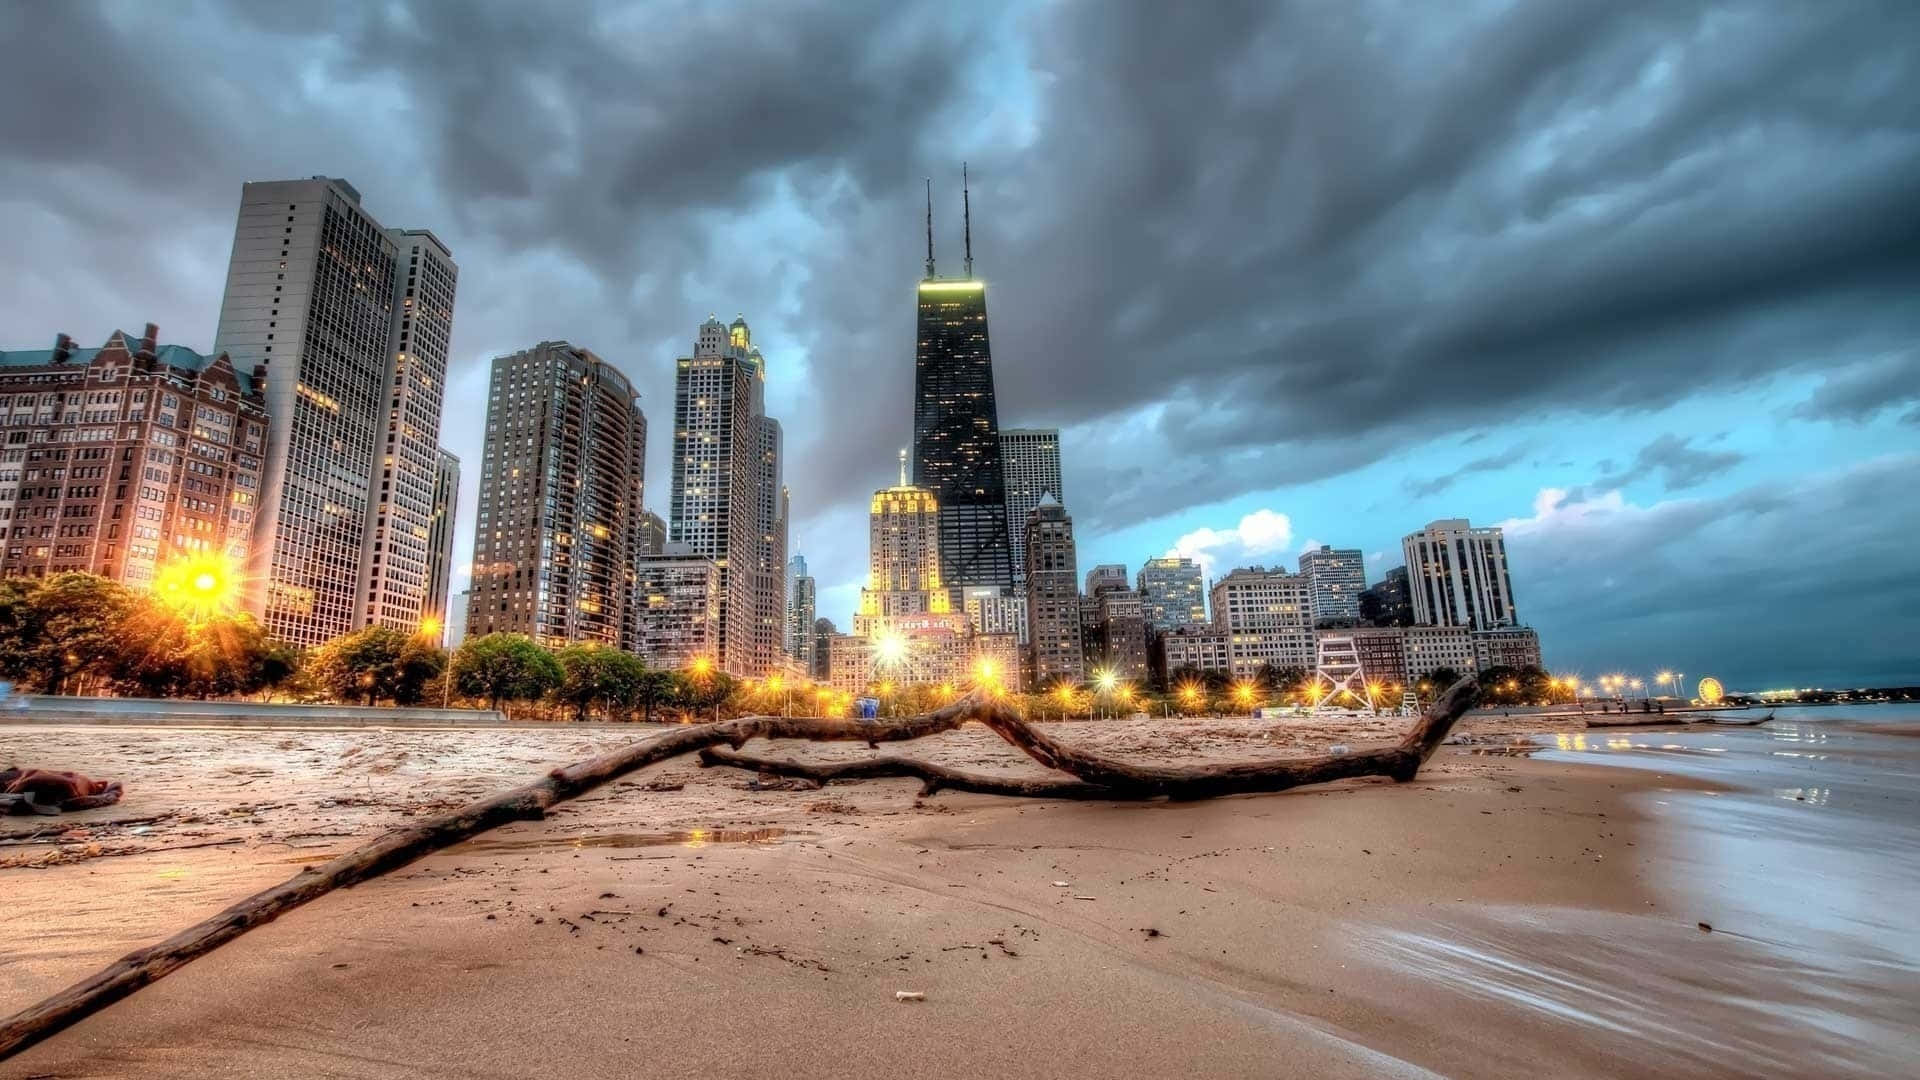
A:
[1243,695]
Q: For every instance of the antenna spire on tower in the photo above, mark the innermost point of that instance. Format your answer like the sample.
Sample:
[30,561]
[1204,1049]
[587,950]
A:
[903,466]
[966,213]
[929,226]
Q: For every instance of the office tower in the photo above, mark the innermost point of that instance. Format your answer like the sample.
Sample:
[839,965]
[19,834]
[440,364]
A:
[800,601]
[1106,578]
[457,618]
[1389,601]
[1267,616]
[1458,576]
[677,601]
[1430,648]
[717,468]
[560,493]
[653,533]
[1201,648]
[1120,633]
[446,501]
[1336,577]
[1506,646]
[903,557]
[351,321]
[1030,460]
[127,459]
[1053,597]
[1173,593]
[956,427]
[770,547]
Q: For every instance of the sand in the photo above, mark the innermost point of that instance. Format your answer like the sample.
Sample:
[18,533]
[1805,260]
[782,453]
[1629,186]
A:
[682,924]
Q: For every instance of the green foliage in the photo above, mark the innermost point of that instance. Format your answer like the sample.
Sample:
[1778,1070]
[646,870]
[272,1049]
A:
[593,675]
[504,667]
[702,694]
[1437,682]
[379,663]
[69,626]
[656,688]
[163,655]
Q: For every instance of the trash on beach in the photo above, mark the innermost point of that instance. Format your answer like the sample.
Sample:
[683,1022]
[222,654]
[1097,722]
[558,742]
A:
[1338,749]
[909,995]
[1077,896]
[1060,884]
[1706,928]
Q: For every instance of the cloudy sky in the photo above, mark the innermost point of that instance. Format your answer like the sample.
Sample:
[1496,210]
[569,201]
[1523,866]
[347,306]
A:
[1637,281]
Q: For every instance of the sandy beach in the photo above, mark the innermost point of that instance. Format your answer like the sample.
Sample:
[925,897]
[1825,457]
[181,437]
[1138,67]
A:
[691,923]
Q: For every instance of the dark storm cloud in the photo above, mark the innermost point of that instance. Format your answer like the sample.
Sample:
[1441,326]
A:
[1680,463]
[1491,463]
[1863,391]
[1246,245]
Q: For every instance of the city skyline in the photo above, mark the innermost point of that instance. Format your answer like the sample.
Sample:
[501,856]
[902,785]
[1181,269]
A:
[1704,393]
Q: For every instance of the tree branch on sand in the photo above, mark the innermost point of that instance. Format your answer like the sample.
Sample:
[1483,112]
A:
[1094,777]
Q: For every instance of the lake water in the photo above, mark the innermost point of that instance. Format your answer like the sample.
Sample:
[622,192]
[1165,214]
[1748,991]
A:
[1806,866]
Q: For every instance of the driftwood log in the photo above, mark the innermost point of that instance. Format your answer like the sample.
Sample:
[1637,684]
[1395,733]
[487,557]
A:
[1094,777]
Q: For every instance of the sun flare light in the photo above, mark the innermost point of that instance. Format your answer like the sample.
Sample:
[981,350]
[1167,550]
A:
[198,586]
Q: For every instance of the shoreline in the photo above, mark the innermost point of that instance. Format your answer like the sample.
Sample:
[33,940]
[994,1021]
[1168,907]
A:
[1221,936]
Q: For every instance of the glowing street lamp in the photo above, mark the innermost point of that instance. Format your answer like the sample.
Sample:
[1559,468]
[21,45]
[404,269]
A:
[1243,696]
[1189,696]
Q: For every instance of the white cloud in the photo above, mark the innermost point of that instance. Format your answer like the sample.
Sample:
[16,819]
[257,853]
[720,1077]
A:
[1262,532]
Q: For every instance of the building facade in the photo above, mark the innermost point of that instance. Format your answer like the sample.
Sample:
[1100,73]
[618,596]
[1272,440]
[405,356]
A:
[1458,576]
[1267,617]
[1199,648]
[715,505]
[1053,598]
[1430,648]
[561,483]
[993,612]
[446,504]
[677,600]
[1383,655]
[1508,646]
[1030,460]
[1173,593]
[125,459]
[351,321]
[1335,577]
[1388,602]
[653,533]
[1120,634]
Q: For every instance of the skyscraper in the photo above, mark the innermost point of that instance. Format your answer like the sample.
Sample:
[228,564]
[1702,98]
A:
[903,557]
[1053,597]
[1389,601]
[800,603]
[1458,576]
[1336,578]
[561,483]
[677,607]
[1030,457]
[718,468]
[351,321]
[956,426]
[446,503]
[1173,593]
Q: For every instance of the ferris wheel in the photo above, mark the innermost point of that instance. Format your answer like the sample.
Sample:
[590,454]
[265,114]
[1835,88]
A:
[1710,691]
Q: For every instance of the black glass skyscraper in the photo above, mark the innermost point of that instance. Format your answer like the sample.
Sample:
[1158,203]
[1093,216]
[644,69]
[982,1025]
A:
[956,428]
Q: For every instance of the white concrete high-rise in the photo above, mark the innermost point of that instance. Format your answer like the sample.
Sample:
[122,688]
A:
[352,322]
[1268,620]
[1030,458]
[1336,578]
[1458,576]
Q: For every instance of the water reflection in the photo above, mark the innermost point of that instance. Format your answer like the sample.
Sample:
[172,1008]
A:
[691,838]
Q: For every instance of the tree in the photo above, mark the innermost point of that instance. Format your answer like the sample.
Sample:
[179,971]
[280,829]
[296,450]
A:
[377,663]
[163,654]
[504,667]
[594,674]
[71,627]
[655,688]
[1436,682]
[704,692]
[1501,685]
[1536,685]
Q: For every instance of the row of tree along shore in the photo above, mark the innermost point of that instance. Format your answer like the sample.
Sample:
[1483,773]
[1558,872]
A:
[79,633]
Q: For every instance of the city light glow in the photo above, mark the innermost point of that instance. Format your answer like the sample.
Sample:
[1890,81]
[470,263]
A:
[199,586]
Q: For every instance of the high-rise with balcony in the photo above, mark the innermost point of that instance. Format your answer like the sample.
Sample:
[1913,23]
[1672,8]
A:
[956,426]
[1335,577]
[1030,458]
[351,321]
[1458,576]
[561,483]
[719,467]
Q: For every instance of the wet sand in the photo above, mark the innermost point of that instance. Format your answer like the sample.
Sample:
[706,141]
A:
[681,924]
